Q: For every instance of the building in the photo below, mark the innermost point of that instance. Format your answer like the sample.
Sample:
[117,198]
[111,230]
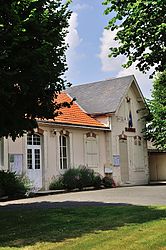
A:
[102,130]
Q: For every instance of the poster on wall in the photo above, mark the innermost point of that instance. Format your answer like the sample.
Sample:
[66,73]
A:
[116,160]
[15,163]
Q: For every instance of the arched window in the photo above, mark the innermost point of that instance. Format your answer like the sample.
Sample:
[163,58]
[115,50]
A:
[64,151]
[33,151]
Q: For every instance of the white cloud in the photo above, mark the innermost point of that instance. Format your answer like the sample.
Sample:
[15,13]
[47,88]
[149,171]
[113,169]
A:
[73,40]
[78,7]
[107,41]
[114,65]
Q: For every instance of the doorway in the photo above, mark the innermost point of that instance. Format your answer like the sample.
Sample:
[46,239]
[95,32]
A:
[123,150]
[34,161]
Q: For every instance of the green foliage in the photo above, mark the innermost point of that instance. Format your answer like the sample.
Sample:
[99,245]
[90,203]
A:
[56,184]
[156,122]
[97,181]
[12,185]
[32,62]
[76,178]
[140,29]
[107,182]
[71,178]
[86,176]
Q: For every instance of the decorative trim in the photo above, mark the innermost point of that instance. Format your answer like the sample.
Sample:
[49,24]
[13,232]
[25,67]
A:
[123,136]
[64,132]
[91,134]
[130,129]
[128,99]
[40,131]
[137,137]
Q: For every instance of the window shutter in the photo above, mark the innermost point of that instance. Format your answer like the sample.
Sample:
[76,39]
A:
[91,152]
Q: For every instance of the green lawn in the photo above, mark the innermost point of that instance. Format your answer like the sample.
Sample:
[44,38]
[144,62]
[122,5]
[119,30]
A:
[97,228]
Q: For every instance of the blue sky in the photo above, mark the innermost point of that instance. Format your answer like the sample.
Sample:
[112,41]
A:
[89,43]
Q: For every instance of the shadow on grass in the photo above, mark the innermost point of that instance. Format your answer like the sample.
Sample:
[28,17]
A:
[22,225]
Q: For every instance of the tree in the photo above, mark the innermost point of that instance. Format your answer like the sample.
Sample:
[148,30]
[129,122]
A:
[32,62]
[156,126]
[141,33]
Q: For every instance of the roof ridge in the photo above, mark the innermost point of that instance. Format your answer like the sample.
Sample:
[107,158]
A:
[95,82]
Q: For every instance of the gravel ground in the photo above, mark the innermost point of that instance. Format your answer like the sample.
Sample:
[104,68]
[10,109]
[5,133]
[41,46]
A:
[138,195]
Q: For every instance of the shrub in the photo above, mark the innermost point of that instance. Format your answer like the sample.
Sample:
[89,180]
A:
[11,184]
[86,177]
[97,181]
[57,184]
[76,178]
[108,182]
[71,178]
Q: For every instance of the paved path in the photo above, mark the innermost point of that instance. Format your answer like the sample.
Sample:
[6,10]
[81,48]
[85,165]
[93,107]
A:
[139,195]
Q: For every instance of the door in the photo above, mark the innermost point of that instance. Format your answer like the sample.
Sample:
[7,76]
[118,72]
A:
[157,166]
[124,169]
[34,166]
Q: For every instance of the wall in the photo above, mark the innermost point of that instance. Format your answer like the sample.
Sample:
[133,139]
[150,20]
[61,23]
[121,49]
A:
[137,154]
[50,150]
[77,151]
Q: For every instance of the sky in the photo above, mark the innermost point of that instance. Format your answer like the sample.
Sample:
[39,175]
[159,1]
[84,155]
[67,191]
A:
[89,42]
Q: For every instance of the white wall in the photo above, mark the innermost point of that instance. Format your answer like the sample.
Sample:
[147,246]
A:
[77,151]
[137,155]
[50,150]
[137,174]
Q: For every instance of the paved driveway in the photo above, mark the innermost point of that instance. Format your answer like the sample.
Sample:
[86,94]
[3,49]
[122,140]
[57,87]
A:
[139,195]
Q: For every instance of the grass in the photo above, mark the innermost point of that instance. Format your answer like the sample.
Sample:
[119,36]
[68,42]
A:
[86,228]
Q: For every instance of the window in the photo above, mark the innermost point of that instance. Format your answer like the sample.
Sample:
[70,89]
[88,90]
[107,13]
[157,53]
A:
[64,151]
[91,150]
[33,151]
[1,151]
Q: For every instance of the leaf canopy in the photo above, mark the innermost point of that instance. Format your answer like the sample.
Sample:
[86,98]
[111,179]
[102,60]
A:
[156,126]
[32,62]
[141,32]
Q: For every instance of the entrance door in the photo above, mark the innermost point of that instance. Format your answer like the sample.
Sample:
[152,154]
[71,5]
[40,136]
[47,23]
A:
[124,160]
[157,166]
[34,167]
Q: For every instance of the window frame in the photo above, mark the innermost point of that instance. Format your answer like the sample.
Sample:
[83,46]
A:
[34,145]
[64,151]
[91,138]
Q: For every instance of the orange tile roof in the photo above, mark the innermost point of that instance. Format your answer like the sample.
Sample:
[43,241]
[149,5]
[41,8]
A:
[75,114]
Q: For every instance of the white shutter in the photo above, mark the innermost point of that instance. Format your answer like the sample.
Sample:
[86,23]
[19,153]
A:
[92,152]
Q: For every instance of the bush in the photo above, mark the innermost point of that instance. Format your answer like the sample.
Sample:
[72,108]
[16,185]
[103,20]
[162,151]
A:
[108,182]
[75,178]
[97,181]
[86,177]
[56,184]
[71,178]
[11,184]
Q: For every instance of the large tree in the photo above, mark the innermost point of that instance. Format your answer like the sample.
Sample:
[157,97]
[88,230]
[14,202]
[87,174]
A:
[140,27]
[156,126]
[32,62]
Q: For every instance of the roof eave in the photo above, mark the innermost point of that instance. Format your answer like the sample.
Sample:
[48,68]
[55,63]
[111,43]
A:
[74,125]
[102,114]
